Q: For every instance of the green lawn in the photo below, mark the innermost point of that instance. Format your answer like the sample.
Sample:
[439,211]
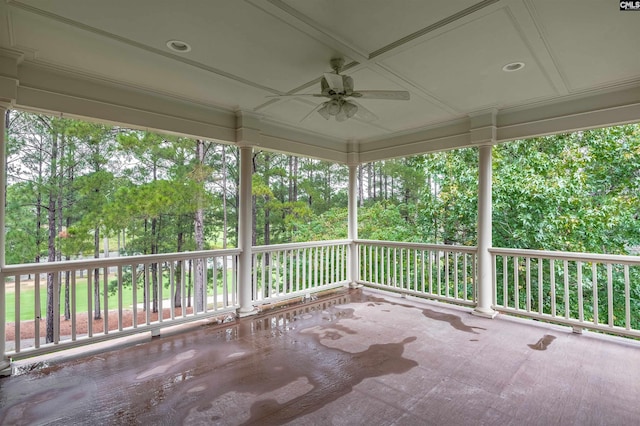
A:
[28,296]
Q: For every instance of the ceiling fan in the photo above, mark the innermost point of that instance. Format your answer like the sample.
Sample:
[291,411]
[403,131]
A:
[340,91]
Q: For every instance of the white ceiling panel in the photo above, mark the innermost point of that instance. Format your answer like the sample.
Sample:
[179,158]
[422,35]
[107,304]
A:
[463,67]
[231,36]
[353,21]
[91,54]
[606,51]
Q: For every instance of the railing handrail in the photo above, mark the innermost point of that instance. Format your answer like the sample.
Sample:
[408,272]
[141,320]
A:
[293,246]
[567,255]
[92,263]
[442,247]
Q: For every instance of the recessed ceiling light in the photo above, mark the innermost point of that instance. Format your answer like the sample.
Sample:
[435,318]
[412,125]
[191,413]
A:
[178,46]
[513,66]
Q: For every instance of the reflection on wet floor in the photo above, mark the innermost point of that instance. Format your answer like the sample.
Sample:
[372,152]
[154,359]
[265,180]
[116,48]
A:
[256,370]
[352,355]
[543,343]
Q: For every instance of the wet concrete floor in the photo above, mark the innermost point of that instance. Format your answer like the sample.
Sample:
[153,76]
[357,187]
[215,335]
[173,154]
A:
[356,358]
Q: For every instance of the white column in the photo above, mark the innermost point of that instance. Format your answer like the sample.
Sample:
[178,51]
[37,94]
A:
[244,233]
[485,275]
[4,361]
[352,260]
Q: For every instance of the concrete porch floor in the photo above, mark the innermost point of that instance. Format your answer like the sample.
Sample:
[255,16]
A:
[358,357]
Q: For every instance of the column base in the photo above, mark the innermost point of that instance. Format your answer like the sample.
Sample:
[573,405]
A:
[244,313]
[355,285]
[5,368]
[484,313]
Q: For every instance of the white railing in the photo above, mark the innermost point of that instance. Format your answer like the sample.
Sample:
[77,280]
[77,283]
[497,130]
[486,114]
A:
[583,290]
[442,272]
[153,291]
[289,270]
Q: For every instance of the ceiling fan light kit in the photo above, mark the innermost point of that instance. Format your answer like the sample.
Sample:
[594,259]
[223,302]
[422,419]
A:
[338,88]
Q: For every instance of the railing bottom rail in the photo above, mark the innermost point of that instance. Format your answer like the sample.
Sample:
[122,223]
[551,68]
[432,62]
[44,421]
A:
[84,340]
[576,324]
[419,294]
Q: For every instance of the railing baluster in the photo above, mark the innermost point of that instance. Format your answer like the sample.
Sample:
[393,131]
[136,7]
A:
[455,275]
[422,270]
[594,284]
[172,284]
[505,281]
[73,306]
[516,284]
[415,270]
[225,284]
[147,302]
[183,287]
[56,310]
[438,269]
[627,299]
[313,272]
[37,309]
[527,267]
[89,304]
[395,267]
[17,320]
[388,257]
[401,267]
[105,296]
[119,297]
[540,286]
[214,279]
[134,292]
[298,261]
[321,266]
[552,281]
[465,275]
[566,289]
[446,272]
[432,255]
[266,291]
[580,298]
[610,294]
[285,279]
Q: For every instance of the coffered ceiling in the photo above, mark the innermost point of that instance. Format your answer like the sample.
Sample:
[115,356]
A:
[110,60]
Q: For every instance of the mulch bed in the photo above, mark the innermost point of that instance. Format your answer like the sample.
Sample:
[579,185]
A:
[27,328]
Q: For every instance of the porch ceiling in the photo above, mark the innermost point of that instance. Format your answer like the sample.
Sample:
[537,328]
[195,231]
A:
[110,60]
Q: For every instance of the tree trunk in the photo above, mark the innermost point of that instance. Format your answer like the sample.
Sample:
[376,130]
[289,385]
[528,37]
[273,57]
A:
[51,246]
[189,284]
[199,283]
[154,266]
[177,297]
[360,187]
[96,275]
[224,198]
[369,176]
[67,284]
[295,179]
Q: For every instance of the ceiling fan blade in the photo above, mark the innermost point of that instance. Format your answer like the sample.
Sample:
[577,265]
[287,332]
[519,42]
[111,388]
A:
[312,111]
[363,113]
[397,95]
[314,95]
[334,81]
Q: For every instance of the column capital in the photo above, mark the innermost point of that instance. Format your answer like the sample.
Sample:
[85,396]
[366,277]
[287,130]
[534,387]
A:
[353,156]
[484,127]
[248,129]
